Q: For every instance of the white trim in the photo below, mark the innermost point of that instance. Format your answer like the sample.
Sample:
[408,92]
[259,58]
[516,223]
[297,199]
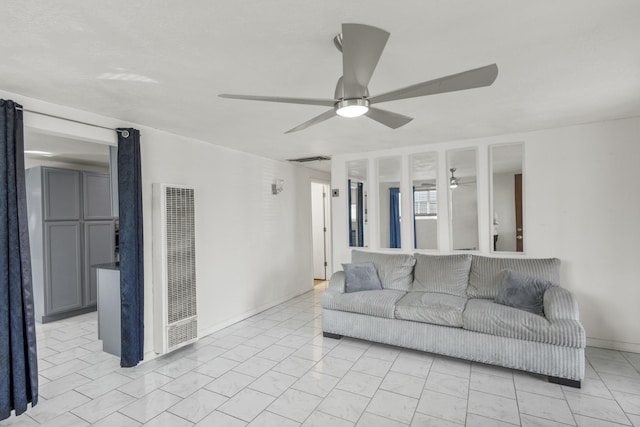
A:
[150,355]
[613,345]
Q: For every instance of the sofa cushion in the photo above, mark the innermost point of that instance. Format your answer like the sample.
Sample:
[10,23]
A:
[522,292]
[394,270]
[361,276]
[486,273]
[380,303]
[446,274]
[431,307]
[483,315]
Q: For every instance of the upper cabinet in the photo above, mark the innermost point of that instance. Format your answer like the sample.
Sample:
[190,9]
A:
[463,199]
[96,188]
[507,228]
[61,194]
[63,200]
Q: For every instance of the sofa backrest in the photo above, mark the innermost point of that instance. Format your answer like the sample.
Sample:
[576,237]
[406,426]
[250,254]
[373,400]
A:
[486,273]
[445,274]
[394,270]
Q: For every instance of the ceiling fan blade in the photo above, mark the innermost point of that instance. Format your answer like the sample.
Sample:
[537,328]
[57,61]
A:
[479,77]
[362,46]
[317,119]
[307,101]
[387,118]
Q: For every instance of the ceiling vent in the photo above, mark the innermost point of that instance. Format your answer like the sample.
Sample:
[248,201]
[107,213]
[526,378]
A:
[310,159]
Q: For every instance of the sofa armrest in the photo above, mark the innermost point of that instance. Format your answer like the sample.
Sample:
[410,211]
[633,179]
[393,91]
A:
[560,304]
[337,282]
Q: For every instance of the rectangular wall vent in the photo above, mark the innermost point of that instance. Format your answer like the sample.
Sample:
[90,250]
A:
[174,260]
[310,159]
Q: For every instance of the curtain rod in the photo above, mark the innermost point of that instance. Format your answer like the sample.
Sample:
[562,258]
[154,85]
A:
[124,132]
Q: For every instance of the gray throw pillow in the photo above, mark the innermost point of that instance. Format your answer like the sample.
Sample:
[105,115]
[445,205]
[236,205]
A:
[524,292]
[361,276]
[394,270]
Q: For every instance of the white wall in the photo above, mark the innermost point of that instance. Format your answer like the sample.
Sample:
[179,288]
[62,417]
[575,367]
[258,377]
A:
[427,232]
[464,220]
[564,169]
[253,249]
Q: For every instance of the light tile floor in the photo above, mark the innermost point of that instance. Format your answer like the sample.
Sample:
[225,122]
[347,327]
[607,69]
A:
[276,369]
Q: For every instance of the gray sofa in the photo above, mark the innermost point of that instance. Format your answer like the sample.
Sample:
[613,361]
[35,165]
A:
[444,305]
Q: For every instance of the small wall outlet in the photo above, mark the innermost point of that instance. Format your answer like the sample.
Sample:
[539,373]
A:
[335,192]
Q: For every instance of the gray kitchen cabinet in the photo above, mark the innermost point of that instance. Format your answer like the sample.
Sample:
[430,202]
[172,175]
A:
[70,229]
[63,256]
[61,194]
[96,196]
[98,249]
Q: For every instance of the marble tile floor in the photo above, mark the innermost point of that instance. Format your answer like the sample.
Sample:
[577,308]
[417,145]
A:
[276,369]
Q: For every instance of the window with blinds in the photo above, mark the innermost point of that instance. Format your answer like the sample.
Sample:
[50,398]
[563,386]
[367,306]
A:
[425,202]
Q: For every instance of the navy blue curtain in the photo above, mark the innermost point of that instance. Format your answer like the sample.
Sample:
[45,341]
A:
[18,358]
[352,240]
[131,248]
[394,217]
[415,234]
[360,214]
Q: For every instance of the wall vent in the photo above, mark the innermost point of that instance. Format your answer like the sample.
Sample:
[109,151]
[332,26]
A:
[174,261]
[310,159]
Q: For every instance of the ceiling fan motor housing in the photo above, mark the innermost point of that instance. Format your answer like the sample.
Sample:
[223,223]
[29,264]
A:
[339,93]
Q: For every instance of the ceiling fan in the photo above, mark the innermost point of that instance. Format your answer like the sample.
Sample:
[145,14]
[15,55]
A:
[455,181]
[361,47]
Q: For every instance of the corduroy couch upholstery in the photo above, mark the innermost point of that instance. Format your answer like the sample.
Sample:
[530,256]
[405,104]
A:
[444,305]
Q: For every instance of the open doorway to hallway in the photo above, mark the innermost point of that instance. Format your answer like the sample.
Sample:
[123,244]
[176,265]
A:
[321,230]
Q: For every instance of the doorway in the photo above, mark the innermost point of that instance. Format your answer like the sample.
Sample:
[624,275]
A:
[69,207]
[321,230]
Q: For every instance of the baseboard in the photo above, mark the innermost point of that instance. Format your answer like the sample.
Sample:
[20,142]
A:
[614,345]
[150,355]
[203,333]
[67,314]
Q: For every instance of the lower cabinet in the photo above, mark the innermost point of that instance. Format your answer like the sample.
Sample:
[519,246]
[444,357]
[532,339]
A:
[63,269]
[70,249]
[98,249]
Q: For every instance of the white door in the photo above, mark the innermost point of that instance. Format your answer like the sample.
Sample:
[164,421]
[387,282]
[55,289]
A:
[319,223]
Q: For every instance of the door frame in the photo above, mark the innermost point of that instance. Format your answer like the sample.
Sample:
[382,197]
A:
[327,226]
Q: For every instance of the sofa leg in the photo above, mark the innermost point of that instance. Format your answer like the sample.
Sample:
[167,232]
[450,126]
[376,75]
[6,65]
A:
[330,335]
[564,381]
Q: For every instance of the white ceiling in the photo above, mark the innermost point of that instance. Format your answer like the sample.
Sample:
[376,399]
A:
[162,64]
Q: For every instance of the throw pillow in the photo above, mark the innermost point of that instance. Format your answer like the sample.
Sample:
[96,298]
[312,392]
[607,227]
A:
[394,270]
[523,292]
[361,276]
[486,272]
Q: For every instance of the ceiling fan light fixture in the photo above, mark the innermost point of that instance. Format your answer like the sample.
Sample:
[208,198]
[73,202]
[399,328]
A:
[352,107]
[453,181]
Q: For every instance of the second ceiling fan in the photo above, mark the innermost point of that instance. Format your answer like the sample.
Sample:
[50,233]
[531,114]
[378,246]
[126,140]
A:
[361,47]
